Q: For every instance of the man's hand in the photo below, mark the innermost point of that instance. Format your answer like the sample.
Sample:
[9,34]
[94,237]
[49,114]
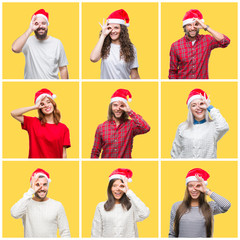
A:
[199,24]
[124,106]
[35,184]
[34,24]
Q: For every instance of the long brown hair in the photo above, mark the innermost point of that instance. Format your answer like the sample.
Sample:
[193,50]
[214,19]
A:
[124,116]
[56,114]
[109,204]
[185,206]
[126,46]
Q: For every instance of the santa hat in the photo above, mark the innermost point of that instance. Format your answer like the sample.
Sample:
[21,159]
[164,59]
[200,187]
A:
[121,172]
[190,15]
[120,16]
[44,93]
[197,171]
[42,13]
[41,172]
[195,94]
[121,95]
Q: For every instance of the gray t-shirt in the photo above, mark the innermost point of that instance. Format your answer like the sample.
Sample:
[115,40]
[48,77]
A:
[43,58]
[115,68]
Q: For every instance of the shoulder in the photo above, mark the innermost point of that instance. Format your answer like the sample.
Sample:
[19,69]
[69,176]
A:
[106,123]
[206,37]
[175,206]
[100,205]
[62,125]
[53,39]
[179,41]
[31,119]
[181,127]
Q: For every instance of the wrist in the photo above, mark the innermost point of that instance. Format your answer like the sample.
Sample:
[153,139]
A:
[206,27]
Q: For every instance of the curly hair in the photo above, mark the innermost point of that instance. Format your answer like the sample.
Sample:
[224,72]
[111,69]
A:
[126,46]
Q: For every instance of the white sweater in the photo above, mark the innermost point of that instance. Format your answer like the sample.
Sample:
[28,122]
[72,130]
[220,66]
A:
[200,141]
[119,222]
[41,219]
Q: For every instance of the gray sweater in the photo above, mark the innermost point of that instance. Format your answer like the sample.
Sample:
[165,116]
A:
[192,223]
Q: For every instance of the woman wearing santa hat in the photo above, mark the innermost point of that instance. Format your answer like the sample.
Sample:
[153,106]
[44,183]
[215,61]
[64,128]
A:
[193,217]
[197,137]
[48,138]
[118,216]
[119,56]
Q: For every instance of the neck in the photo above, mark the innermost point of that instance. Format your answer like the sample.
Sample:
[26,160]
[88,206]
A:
[49,118]
[117,42]
[191,38]
[40,199]
[117,201]
[194,203]
[117,120]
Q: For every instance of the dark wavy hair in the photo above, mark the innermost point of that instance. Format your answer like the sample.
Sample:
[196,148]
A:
[56,114]
[109,204]
[126,46]
[124,116]
[185,206]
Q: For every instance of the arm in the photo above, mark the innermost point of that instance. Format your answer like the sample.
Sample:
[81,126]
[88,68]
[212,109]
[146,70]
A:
[172,217]
[134,73]
[97,226]
[220,204]
[173,71]
[19,43]
[62,223]
[64,72]
[96,52]
[177,145]
[64,152]
[141,211]
[97,146]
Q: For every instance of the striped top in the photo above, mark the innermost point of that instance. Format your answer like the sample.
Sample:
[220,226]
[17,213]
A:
[192,223]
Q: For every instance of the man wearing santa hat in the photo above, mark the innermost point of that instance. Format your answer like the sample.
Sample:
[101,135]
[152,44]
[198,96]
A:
[41,216]
[44,55]
[115,136]
[189,55]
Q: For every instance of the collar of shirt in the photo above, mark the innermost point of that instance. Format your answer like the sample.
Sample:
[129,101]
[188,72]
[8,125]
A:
[188,40]
[199,122]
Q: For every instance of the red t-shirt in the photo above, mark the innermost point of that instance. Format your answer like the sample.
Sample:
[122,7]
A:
[47,140]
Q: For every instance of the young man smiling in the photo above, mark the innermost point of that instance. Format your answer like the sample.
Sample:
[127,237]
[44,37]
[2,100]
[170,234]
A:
[189,55]
[115,136]
[44,55]
[41,215]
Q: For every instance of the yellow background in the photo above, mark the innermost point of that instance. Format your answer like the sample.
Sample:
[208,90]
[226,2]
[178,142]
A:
[63,24]
[21,94]
[95,101]
[223,182]
[144,184]
[63,188]
[221,17]
[143,32]
[223,96]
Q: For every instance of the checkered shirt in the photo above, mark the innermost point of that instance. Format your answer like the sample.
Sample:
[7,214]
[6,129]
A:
[117,141]
[191,62]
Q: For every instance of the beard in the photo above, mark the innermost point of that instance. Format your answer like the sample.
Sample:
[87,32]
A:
[38,196]
[41,36]
[188,33]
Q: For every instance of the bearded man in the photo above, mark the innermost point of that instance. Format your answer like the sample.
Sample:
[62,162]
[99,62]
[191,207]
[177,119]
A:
[115,136]
[189,55]
[41,216]
[44,55]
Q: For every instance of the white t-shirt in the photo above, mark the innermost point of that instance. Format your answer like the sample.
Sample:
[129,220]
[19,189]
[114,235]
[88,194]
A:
[43,58]
[115,68]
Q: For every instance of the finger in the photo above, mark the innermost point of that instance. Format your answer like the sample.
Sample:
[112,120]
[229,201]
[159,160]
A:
[100,24]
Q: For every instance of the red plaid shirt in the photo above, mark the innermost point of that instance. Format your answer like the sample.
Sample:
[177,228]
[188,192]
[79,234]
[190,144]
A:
[117,141]
[191,62]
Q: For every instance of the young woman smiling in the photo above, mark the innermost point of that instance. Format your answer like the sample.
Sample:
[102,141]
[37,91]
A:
[197,137]
[48,138]
[193,217]
[117,217]
[119,56]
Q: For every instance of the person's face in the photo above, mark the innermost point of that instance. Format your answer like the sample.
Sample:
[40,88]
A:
[48,107]
[116,110]
[197,111]
[191,30]
[192,191]
[41,32]
[115,33]
[42,192]
[116,189]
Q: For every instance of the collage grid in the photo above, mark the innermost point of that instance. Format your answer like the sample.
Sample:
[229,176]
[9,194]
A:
[154,166]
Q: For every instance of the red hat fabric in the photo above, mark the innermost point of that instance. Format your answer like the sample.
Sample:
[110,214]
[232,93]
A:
[121,95]
[120,16]
[41,172]
[195,94]
[42,13]
[190,15]
[197,171]
[120,172]
[44,92]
